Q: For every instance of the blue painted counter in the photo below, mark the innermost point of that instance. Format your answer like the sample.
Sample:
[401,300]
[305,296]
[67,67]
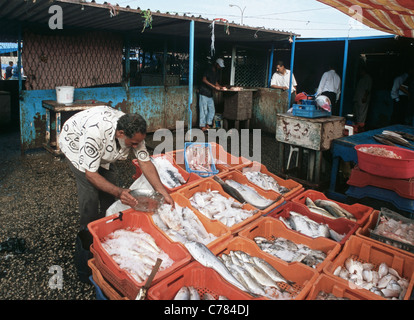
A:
[160,106]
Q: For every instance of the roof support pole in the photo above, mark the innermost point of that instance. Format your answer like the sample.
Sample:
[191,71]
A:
[233,65]
[191,78]
[19,59]
[346,49]
[292,61]
[272,50]
[128,61]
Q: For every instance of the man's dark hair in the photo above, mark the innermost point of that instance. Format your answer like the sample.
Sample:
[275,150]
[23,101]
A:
[131,124]
[280,63]
[10,63]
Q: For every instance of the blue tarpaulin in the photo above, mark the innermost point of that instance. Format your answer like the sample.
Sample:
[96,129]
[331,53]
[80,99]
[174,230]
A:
[7,47]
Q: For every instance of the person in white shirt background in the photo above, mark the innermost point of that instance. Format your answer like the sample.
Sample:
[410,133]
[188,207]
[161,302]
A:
[362,96]
[281,80]
[399,96]
[330,86]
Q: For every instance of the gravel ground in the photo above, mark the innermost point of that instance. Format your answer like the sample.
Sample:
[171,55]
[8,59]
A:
[39,205]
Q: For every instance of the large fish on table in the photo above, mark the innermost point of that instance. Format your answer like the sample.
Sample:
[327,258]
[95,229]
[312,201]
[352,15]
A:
[203,255]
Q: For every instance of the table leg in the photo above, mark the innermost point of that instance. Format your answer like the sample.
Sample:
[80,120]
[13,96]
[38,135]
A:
[47,127]
[58,129]
[318,166]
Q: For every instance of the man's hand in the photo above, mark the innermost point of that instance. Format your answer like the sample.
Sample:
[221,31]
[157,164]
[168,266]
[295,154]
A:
[126,198]
[169,200]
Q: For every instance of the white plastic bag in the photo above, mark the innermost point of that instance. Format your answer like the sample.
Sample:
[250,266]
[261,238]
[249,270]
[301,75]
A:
[323,102]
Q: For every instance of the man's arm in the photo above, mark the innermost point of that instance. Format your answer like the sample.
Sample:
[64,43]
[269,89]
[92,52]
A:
[214,86]
[151,173]
[102,184]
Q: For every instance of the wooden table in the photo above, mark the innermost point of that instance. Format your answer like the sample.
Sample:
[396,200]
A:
[54,112]
[237,106]
[313,135]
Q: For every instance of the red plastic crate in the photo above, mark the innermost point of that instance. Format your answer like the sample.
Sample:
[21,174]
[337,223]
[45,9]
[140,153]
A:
[341,226]
[189,177]
[118,277]
[203,279]
[361,212]
[294,187]
[269,228]
[375,253]
[364,233]
[302,276]
[387,167]
[212,226]
[403,187]
[268,194]
[225,160]
[337,288]
[209,184]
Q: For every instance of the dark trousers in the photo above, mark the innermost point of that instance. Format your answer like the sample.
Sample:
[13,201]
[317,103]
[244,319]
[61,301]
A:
[400,112]
[92,202]
[332,97]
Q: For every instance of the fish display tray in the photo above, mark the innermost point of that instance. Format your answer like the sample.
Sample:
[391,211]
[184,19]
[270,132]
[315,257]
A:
[225,161]
[203,279]
[270,228]
[366,232]
[309,111]
[390,196]
[209,184]
[387,167]
[360,212]
[403,187]
[268,194]
[375,253]
[203,174]
[301,276]
[341,226]
[295,187]
[118,277]
[337,288]
[215,227]
[188,177]
[104,290]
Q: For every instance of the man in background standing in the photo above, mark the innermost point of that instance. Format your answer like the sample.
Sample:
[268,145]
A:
[330,86]
[399,96]
[281,80]
[9,71]
[362,96]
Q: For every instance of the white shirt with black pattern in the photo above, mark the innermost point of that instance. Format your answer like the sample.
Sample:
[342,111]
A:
[88,140]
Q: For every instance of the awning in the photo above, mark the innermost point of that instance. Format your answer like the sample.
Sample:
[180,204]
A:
[391,16]
[7,48]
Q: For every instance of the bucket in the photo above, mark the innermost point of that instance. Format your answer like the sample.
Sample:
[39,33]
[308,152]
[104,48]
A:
[65,94]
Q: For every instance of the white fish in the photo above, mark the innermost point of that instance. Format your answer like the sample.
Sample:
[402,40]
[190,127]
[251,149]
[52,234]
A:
[169,175]
[182,294]
[264,181]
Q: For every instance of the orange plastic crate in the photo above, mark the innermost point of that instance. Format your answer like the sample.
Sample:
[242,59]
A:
[342,225]
[209,184]
[268,228]
[294,187]
[364,233]
[375,253]
[189,177]
[338,289]
[212,226]
[302,276]
[225,160]
[110,292]
[203,279]
[272,195]
[118,277]
[360,211]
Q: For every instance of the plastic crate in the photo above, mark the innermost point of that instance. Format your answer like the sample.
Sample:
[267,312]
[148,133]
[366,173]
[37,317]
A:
[295,187]
[203,174]
[209,184]
[375,253]
[188,177]
[203,279]
[302,276]
[337,288]
[268,194]
[341,226]
[118,277]
[390,196]
[386,167]
[366,233]
[403,187]
[225,161]
[212,226]
[104,290]
[309,111]
[360,212]
[270,228]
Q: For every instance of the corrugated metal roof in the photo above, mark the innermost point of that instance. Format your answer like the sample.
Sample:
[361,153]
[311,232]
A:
[78,14]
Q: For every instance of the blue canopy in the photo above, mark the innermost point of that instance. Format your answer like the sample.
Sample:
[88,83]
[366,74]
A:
[7,47]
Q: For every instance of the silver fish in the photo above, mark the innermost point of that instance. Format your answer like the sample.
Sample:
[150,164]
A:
[335,209]
[194,295]
[182,294]
[203,255]
[270,270]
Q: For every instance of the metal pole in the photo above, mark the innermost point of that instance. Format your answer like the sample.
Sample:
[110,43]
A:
[292,61]
[19,60]
[271,65]
[344,75]
[241,10]
[190,78]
